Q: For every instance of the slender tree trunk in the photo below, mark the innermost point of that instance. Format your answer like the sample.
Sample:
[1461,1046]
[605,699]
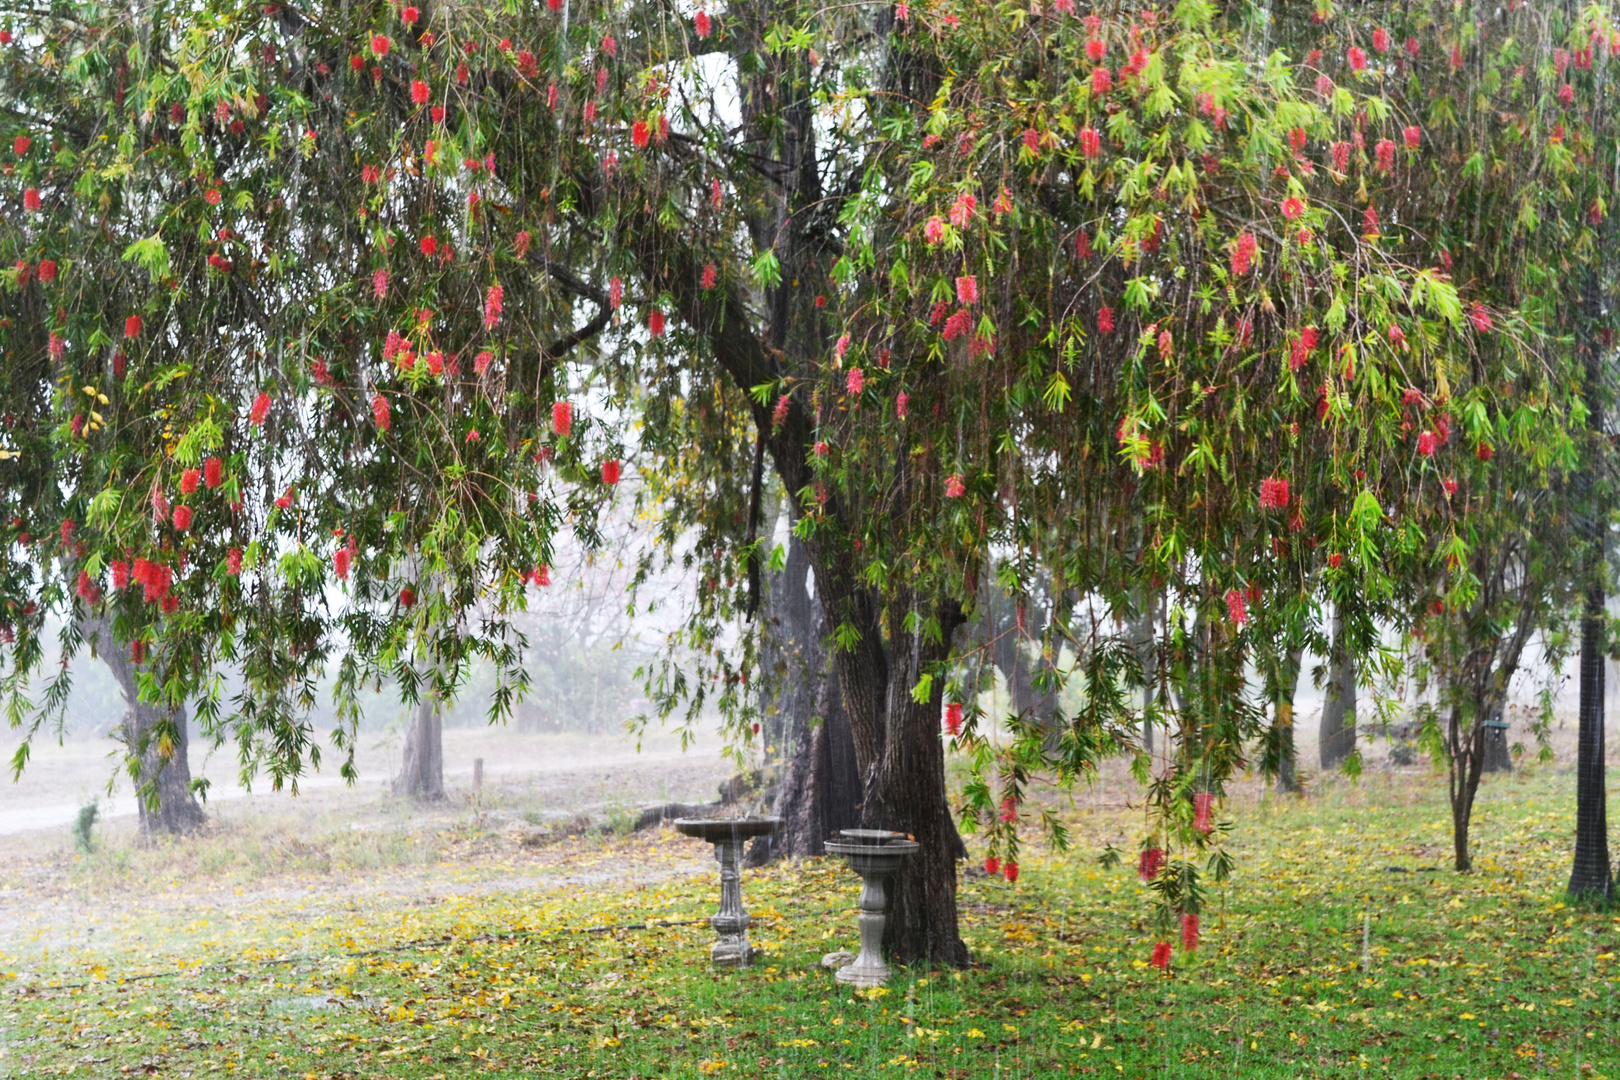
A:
[157,742]
[1287,757]
[1591,876]
[421,773]
[1338,730]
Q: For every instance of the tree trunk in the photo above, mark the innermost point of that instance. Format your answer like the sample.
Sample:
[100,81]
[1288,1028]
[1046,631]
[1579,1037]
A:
[156,741]
[1591,877]
[1283,722]
[1338,730]
[421,773]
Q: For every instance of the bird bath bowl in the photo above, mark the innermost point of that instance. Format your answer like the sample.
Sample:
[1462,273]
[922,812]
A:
[875,854]
[731,922]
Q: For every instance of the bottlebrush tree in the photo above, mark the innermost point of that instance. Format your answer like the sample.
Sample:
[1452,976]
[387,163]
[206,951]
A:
[1104,297]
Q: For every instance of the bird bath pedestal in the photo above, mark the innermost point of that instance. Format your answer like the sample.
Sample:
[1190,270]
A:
[731,922]
[875,854]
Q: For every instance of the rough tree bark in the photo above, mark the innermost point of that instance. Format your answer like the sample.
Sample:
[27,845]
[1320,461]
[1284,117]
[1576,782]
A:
[157,740]
[820,789]
[1338,729]
[421,772]
[1285,685]
[1591,877]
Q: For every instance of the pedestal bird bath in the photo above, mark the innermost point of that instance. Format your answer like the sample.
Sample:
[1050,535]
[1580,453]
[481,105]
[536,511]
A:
[875,854]
[731,922]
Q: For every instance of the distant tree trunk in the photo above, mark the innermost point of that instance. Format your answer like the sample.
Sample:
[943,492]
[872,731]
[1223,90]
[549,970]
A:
[1287,686]
[157,740]
[1591,876]
[421,773]
[1001,629]
[1338,730]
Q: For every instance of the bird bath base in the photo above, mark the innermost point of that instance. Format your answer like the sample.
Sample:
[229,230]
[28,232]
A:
[731,922]
[875,855]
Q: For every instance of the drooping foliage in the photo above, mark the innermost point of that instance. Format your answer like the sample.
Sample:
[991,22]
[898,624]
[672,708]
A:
[1241,307]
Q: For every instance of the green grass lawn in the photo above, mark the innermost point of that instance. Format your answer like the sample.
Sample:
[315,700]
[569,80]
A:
[1485,975]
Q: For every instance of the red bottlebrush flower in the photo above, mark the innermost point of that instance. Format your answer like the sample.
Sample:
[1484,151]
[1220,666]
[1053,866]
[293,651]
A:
[934,229]
[615,292]
[1090,142]
[56,346]
[1167,345]
[1380,41]
[541,575]
[821,449]
[137,652]
[1480,318]
[379,284]
[610,46]
[562,418]
[1341,157]
[407,597]
[1369,224]
[68,525]
[47,271]
[20,145]
[529,68]
[494,301]
[1237,608]
[1105,320]
[380,44]
[855,382]
[957,325]
[1428,442]
[1096,49]
[213,472]
[1397,336]
[212,197]
[779,414]
[1203,806]
[1010,872]
[285,499]
[1293,207]
[22,272]
[1566,95]
[1032,140]
[482,361]
[1149,863]
[655,323]
[1456,57]
[1357,58]
[429,245]
[1102,81]
[1483,451]
[132,326]
[435,363]
[955,488]
[189,479]
[1273,494]
[610,472]
[716,195]
[1009,810]
[340,563]
[31,200]
[1335,559]
[419,92]
[356,63]
[1189,931]
[901,401]
[120,574]
[1385,153]
[1412,47]
[1413,135]
[821,301]
[1297,139]
[182,518]
[1243,253]
[233,562]
[710,276]
[964,209]
[1450,485]
[551,96]
[967,289]
[520,244]
[261,410]
[1161,956]
[702,24]
[380,412]
[992,865]
[1324,86]
[76,425]
[953,719]
[937,316]
[640,134]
